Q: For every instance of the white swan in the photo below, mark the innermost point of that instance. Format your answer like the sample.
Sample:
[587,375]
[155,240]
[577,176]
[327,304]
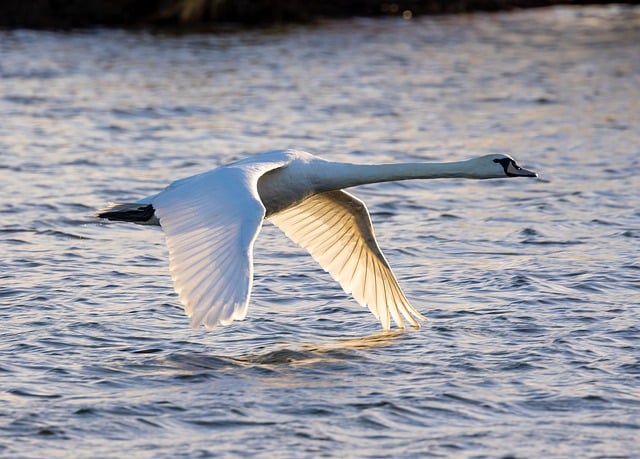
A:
[211,221]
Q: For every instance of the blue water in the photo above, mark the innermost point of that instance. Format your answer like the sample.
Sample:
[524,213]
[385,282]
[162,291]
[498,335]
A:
[532,286]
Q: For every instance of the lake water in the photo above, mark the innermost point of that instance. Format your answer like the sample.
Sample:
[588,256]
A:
[532,286]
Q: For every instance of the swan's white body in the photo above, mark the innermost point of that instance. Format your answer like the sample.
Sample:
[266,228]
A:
[211,221]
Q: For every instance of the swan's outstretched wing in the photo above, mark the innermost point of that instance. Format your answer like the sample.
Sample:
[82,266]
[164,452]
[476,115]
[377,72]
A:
[211,222]
[336,229]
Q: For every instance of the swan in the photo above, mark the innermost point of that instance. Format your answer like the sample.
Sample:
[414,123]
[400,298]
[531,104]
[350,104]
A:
[211,221]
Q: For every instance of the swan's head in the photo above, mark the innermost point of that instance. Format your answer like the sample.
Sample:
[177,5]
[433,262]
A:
[499,166]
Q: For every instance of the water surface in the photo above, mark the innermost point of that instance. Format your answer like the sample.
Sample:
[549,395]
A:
[532,286]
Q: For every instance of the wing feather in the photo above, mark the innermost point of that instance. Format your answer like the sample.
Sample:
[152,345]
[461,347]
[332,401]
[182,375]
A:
[211,226]
[335,227]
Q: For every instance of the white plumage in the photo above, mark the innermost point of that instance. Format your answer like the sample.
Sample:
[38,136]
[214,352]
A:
[336,229]
[211,221]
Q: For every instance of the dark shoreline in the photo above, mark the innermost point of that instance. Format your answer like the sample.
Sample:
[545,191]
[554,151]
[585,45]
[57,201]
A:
[68,14]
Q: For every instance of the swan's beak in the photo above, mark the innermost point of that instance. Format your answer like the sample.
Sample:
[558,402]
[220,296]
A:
[514,170]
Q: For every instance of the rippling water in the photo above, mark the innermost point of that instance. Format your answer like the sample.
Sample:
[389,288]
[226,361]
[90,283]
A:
[532,286]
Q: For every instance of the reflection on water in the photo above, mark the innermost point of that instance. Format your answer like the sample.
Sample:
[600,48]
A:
[531,287]
[284,356]
[338,350]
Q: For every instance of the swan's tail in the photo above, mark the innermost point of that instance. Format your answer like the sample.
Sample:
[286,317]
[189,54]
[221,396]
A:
[130,212]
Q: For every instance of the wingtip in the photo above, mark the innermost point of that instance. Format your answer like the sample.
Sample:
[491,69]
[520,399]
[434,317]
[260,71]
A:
[413,318]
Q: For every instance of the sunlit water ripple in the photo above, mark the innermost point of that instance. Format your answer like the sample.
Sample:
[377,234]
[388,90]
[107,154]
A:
[532,286]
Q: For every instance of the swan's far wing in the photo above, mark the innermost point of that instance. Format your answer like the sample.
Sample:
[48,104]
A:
[335,227]
[211,222]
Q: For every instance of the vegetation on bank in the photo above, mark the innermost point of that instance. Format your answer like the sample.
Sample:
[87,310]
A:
[132,13]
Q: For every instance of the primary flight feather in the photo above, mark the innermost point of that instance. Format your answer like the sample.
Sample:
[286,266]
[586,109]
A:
[211,221]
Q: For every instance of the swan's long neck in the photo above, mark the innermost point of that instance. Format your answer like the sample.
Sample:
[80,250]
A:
[344,175]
